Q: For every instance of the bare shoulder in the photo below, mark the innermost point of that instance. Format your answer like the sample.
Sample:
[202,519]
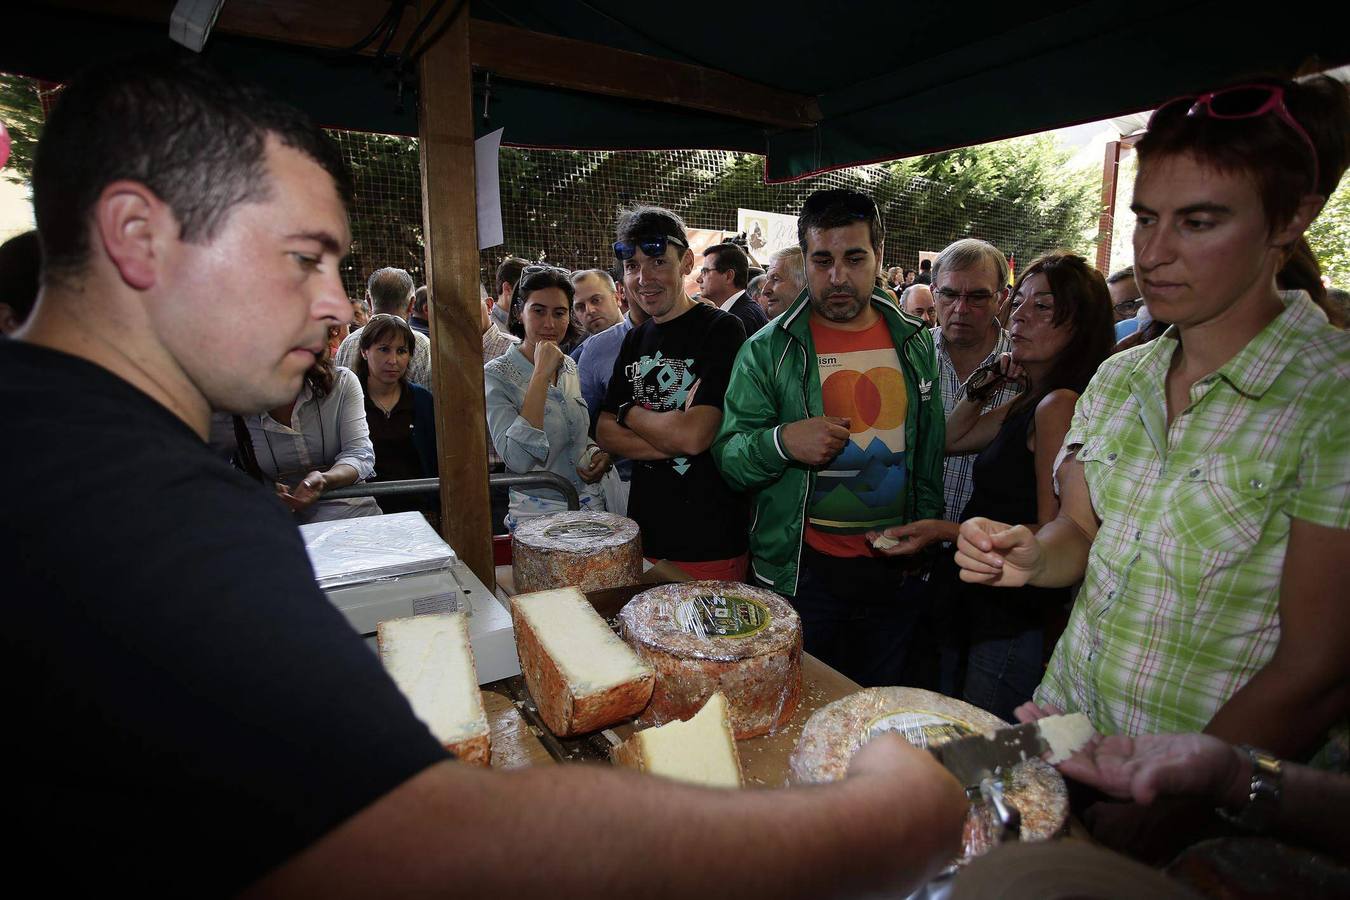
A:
[1056,404]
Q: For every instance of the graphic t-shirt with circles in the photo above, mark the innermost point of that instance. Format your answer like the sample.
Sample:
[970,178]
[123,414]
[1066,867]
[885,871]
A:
[863,488]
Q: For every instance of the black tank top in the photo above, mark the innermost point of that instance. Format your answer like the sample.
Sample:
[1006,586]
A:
[1005,491]
[1005,475]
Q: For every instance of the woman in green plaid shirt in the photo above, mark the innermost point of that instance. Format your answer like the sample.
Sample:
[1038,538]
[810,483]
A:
[1205,494]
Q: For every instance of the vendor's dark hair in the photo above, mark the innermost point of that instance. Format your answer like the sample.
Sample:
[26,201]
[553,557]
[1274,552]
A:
[1083,301]
[379,328]
[192,135]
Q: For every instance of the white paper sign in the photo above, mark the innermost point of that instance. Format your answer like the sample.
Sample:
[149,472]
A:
[489,190]
[766,232]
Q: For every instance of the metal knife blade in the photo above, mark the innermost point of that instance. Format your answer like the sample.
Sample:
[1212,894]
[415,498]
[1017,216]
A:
[975,758]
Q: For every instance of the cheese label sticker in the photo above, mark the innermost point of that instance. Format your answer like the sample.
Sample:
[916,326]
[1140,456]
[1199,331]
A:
[578,533]
[921,728]
[720,616]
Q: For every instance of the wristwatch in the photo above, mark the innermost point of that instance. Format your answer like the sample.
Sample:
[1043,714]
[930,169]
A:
[1263,799]
[623,413]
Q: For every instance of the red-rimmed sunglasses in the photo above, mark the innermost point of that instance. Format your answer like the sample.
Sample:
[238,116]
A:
[1244,101]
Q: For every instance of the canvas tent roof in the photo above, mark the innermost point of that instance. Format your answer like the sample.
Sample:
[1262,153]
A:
[874,79]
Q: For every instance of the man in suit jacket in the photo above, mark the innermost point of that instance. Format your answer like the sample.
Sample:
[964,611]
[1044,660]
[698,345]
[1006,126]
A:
[723,279]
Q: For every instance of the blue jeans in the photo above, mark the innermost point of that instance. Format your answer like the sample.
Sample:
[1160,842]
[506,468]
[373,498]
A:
[858,614]
[1003,666]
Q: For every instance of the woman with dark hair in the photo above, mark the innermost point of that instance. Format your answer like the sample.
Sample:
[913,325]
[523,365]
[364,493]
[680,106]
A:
[1205,497]
[317,442]
[401,415]
[1061,330]
[537,418]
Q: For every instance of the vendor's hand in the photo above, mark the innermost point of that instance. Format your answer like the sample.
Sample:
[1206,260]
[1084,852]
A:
[996,554]
[548,358]
[1159,765]
[1032,711]
[597,468]
[912,537]
[891,771]
[815,441]
[303,495]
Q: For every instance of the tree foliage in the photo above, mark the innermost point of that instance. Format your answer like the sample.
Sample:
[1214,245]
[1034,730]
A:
[21,111]
[1329,237]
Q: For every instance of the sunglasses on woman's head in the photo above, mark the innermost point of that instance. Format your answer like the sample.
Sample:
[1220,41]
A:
[1242,101]
[652,246]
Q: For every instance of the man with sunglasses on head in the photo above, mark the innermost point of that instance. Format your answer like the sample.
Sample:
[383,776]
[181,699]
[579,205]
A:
[833,424]
[663,404]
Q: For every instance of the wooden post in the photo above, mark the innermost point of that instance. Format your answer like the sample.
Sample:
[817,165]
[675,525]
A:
[450,227]
[1106,224]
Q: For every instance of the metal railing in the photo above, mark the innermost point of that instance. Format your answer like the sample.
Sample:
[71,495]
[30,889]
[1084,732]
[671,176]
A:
[378,489]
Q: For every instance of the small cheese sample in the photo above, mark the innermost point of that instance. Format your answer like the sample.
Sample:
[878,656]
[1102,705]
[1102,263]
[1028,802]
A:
[699,751]
[591,550]
[837,730]
[707,636]
[430,659]
[1066,735]
[581,675]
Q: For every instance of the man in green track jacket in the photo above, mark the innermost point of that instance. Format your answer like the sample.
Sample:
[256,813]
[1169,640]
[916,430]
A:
[833,423]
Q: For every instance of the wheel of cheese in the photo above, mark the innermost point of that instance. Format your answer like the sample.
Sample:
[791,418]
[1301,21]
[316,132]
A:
[836,731]
[707,636]
[589,550]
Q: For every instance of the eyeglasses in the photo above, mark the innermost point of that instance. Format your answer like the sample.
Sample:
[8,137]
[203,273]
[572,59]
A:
[652,246]
[974,299]
[1244,101]
[1128,306]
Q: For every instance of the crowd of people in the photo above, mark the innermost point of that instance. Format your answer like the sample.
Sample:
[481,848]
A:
[988,489]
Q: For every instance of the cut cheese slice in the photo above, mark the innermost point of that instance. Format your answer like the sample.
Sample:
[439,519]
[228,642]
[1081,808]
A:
[699,751]
[581,675]
[430,659]
[1066,735]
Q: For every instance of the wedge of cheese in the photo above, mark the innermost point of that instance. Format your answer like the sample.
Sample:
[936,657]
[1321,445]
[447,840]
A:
[430,659]
[581,675]
[699,751]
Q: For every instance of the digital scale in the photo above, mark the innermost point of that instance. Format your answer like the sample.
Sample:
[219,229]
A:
[376,568]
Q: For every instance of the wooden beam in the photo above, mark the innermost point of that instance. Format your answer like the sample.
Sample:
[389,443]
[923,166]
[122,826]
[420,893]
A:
[1106,222]
[549,60]
[538,58]
[450,223]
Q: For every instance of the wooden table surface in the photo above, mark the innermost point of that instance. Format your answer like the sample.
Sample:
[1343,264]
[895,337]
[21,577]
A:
[764,759]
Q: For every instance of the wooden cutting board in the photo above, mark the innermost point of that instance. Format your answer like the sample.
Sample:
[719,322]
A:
[514,743]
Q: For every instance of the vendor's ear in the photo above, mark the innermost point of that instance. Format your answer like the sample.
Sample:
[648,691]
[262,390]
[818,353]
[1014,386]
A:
[687,263]
[136,230]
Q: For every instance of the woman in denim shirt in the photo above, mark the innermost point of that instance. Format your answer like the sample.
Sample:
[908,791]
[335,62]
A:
[536,415]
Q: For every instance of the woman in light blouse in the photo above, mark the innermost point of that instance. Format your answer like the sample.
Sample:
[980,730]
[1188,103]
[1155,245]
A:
[537,418]
[316,443]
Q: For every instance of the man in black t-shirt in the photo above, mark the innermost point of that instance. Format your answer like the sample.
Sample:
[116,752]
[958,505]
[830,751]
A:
[189,716]
[664,404]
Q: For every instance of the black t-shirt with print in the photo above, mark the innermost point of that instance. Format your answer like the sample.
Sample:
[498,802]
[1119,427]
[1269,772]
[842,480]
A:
[684,508]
